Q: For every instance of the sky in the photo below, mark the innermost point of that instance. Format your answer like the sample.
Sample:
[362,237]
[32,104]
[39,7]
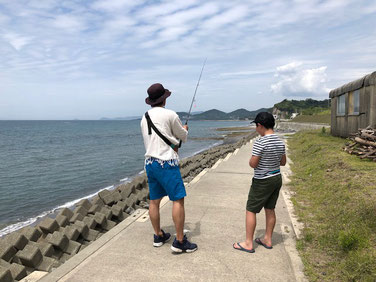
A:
[80,59]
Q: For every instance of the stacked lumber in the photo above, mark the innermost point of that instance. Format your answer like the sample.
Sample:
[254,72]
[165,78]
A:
[363,144]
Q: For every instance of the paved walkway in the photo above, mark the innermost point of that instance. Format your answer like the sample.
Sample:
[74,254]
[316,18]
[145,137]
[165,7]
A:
[215,218]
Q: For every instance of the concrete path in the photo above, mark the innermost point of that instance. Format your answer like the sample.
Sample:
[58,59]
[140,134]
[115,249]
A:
[215,219]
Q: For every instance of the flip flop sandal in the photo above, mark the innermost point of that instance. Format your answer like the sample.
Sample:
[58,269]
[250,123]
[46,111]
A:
[242,249]
[258,241]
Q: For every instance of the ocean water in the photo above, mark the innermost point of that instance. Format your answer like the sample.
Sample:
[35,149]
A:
[46,165]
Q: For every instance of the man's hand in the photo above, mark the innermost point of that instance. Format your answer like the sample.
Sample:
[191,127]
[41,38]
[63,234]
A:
[185,127]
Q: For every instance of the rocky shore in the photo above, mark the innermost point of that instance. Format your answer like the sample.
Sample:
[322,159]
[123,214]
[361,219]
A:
[55,240]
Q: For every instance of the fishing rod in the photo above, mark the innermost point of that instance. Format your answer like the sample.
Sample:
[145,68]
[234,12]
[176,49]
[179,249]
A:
[194,96]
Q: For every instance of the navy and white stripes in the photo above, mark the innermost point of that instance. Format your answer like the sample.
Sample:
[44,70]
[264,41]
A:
[270,149]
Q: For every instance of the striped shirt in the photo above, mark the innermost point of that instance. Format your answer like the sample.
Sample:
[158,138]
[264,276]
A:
[270,149]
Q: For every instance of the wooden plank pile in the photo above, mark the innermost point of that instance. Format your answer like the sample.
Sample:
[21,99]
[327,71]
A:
[363,144]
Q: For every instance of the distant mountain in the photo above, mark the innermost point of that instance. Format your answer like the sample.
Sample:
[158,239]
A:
[214,114]
[211,115]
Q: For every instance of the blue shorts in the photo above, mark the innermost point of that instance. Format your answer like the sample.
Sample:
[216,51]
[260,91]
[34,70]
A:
[165,180]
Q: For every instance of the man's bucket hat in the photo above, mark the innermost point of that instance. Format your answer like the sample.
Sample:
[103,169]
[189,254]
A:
[157,94]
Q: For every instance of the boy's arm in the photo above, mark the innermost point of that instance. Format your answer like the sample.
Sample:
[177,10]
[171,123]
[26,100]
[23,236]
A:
[254,161]
[283,160]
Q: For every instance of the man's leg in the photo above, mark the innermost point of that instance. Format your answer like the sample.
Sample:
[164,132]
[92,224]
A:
[154,216]
[270,223]
[178,216]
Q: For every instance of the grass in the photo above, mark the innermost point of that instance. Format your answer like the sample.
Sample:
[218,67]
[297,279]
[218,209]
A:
[322,117]
[335,198]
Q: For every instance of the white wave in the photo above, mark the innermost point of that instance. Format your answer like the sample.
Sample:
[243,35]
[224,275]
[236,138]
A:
[141,172]
[16,226]
[124,179]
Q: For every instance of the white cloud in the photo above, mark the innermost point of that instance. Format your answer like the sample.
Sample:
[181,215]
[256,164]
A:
[17,41]
[69,23]
[298,82]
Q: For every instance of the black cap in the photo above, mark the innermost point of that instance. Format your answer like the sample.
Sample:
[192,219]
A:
[266,119]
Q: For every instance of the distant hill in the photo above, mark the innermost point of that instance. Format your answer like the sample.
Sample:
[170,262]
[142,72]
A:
[308,106]
[214,114]
[211,115]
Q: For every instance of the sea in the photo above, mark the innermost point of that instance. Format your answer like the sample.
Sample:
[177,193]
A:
[49,165]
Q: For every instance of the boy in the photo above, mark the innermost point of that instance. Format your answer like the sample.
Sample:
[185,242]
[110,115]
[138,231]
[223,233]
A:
[268,154]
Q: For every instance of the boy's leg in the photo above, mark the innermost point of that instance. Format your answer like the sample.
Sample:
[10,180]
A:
[270,224]
[154,216]
[250,226]
[178,216]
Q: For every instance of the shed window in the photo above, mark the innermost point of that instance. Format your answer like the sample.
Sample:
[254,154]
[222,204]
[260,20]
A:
[341,105]
[354,102]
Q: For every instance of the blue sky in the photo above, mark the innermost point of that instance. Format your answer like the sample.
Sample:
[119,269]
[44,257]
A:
[91,59]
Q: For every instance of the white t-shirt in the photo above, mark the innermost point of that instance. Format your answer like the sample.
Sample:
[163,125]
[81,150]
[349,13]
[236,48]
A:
[169,124]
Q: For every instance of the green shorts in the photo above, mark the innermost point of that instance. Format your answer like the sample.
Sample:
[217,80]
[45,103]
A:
[264,193]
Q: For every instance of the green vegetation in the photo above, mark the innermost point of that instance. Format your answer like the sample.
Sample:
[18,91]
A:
[335,198]
[303,107]
[321,117]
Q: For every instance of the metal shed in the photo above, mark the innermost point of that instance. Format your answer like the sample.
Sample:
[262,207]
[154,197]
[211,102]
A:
[353,106]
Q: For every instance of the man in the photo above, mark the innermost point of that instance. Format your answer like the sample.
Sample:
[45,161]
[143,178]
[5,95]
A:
[268,154]
[162,166]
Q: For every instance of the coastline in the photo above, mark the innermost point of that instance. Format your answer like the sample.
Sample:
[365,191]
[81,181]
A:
[57,237]
[34,221]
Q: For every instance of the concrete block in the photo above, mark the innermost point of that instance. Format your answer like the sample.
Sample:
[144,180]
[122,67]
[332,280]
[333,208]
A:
[130,210]
[58,240]
[116,211]
[45,248]
[76,217]
[103,193]
[48,264]
[122,205]
[31,233]
[90,222]
[117,196]
[126,191]
[66,212]
[81,210]
[140,181]
[7,251]
[109,224]
[65,257]
[92,235]
[48,225]
[97,201]
[17,240]
[5,275]
[62,220]
[30,256]
[56,254]
[100,218]
[84,203]
[71,232]
[95,208]
[108,199]
[106,211]
[73,248]
[131,200]
[17,271]
[82,228]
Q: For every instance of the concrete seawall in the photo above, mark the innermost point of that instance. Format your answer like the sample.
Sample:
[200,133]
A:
[297,126]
